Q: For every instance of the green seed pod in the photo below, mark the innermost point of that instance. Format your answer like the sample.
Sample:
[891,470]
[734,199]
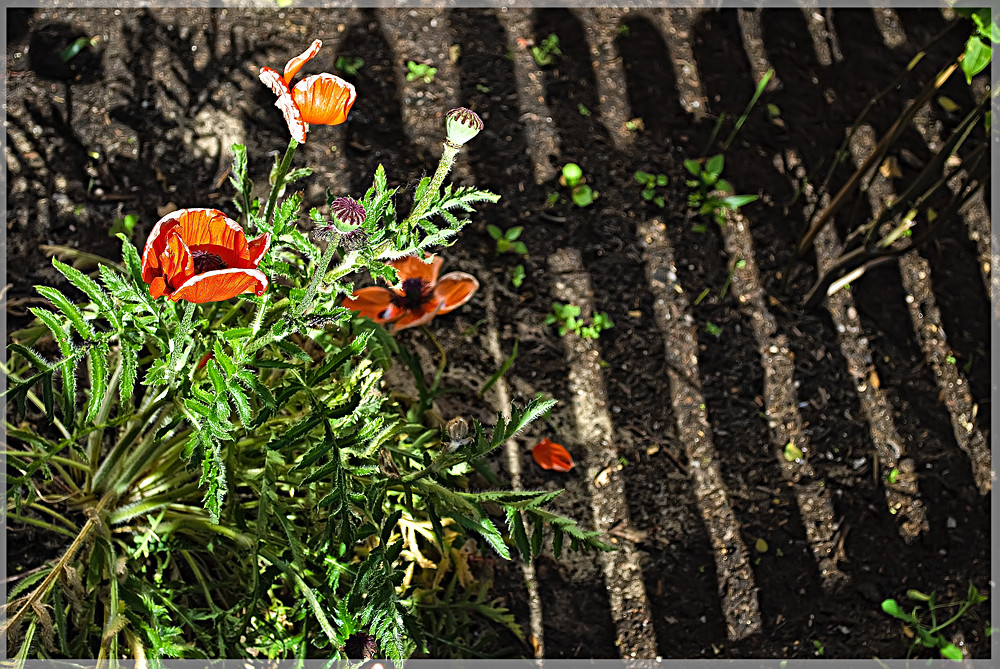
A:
[462,125]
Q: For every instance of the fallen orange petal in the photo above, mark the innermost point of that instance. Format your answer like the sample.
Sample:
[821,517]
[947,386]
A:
[550,455]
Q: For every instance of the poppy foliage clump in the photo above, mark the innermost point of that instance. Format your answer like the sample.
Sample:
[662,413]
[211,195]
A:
[186,427]
[420,297]
[319,99]
[202,255]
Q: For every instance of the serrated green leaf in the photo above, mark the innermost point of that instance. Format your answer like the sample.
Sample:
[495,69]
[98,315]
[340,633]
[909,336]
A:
[130,369]
[241,403]
[89,287]
[487,530]
[236,333]
[98,381]
[57,329]
[516,525]
[32,356]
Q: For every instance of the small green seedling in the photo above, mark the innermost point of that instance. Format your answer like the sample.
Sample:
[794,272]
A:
[507,241]
[420,71]
[711,194]
[979,47]
[78,45]
[583,110]
[349,65]
[929,634]
[712,329]
[649,183]
[572,177]
[517,276]
[793,453]
[545,52]
[124,225]
[567,316]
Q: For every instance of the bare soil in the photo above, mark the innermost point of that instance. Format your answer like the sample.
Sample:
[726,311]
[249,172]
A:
[140,124]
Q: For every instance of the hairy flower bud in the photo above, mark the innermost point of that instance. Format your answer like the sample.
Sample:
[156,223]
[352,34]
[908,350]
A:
[462,125]
[457,428]
[360,646]
[353,240]
[348,211]
[325,233]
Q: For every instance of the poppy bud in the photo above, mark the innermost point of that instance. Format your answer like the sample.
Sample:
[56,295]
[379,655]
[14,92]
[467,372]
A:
[360,646]
[353,240]
[348,211]
[457,429]
[326,233]
[462,125]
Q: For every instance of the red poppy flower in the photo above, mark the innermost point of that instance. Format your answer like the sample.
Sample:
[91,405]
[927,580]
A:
[421,295]
[320,99]
[550,455]
[201,255]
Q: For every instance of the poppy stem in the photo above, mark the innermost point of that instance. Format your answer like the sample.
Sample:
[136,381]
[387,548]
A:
[321,267]
[278,175]
[441,365]
[181,337]
[434,187]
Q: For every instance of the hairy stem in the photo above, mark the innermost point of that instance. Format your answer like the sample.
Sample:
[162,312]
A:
[279,179]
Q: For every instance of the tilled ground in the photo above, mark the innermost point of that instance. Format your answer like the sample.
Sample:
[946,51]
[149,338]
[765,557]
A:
[679,416]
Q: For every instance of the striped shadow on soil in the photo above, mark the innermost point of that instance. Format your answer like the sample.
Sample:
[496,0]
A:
[737,588]
[630,607]
[926,317]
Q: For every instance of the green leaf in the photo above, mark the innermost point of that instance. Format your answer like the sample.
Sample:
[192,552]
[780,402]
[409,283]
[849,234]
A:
[68,309]
[132,262]
[950,651]
[692,166]
[130,366]
[488,531]
[494,231]
[715,164]
[736,201]
[237,333]
[500,372]
[516,525]
[977,56]
[98,381]
[892,608]
[32,356]
[89,287]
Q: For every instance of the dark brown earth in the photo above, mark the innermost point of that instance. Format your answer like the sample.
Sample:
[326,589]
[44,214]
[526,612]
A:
[112,133]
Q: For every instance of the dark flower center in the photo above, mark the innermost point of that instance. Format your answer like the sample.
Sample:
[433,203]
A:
[205,261]
[415,295]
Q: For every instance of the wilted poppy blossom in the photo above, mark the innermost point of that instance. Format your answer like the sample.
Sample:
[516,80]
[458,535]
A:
[421,295]
[550,455]
[202,255]
[320,99]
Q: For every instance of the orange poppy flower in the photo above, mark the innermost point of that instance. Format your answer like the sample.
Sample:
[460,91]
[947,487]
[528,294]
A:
[320,99]
[550,455]
[421,295]
[201,255]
